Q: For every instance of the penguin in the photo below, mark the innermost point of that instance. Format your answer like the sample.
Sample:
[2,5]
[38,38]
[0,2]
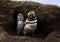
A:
[20,23]
[30,23]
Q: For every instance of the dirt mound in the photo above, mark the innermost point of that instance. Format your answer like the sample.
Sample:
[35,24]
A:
[53,37]
[48,20]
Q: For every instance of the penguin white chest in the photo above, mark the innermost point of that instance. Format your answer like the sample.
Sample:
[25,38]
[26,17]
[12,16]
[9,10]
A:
[30,27]
[20,24]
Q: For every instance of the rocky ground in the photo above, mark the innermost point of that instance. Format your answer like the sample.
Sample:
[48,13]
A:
[54,36]
[5,37]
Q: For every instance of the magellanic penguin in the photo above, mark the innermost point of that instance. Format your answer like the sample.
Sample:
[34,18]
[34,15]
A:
[30,23]
[20,23]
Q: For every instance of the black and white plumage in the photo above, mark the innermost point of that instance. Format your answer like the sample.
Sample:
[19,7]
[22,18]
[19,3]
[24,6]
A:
[20,23]
[30,23]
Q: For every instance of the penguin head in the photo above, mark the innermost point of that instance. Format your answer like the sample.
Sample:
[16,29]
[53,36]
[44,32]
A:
[31,15]
[20,16]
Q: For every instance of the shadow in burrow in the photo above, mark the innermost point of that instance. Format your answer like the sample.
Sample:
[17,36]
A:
[11,26]
[42,30]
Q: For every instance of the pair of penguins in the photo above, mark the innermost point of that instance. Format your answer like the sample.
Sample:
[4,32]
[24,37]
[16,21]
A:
[30,24]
